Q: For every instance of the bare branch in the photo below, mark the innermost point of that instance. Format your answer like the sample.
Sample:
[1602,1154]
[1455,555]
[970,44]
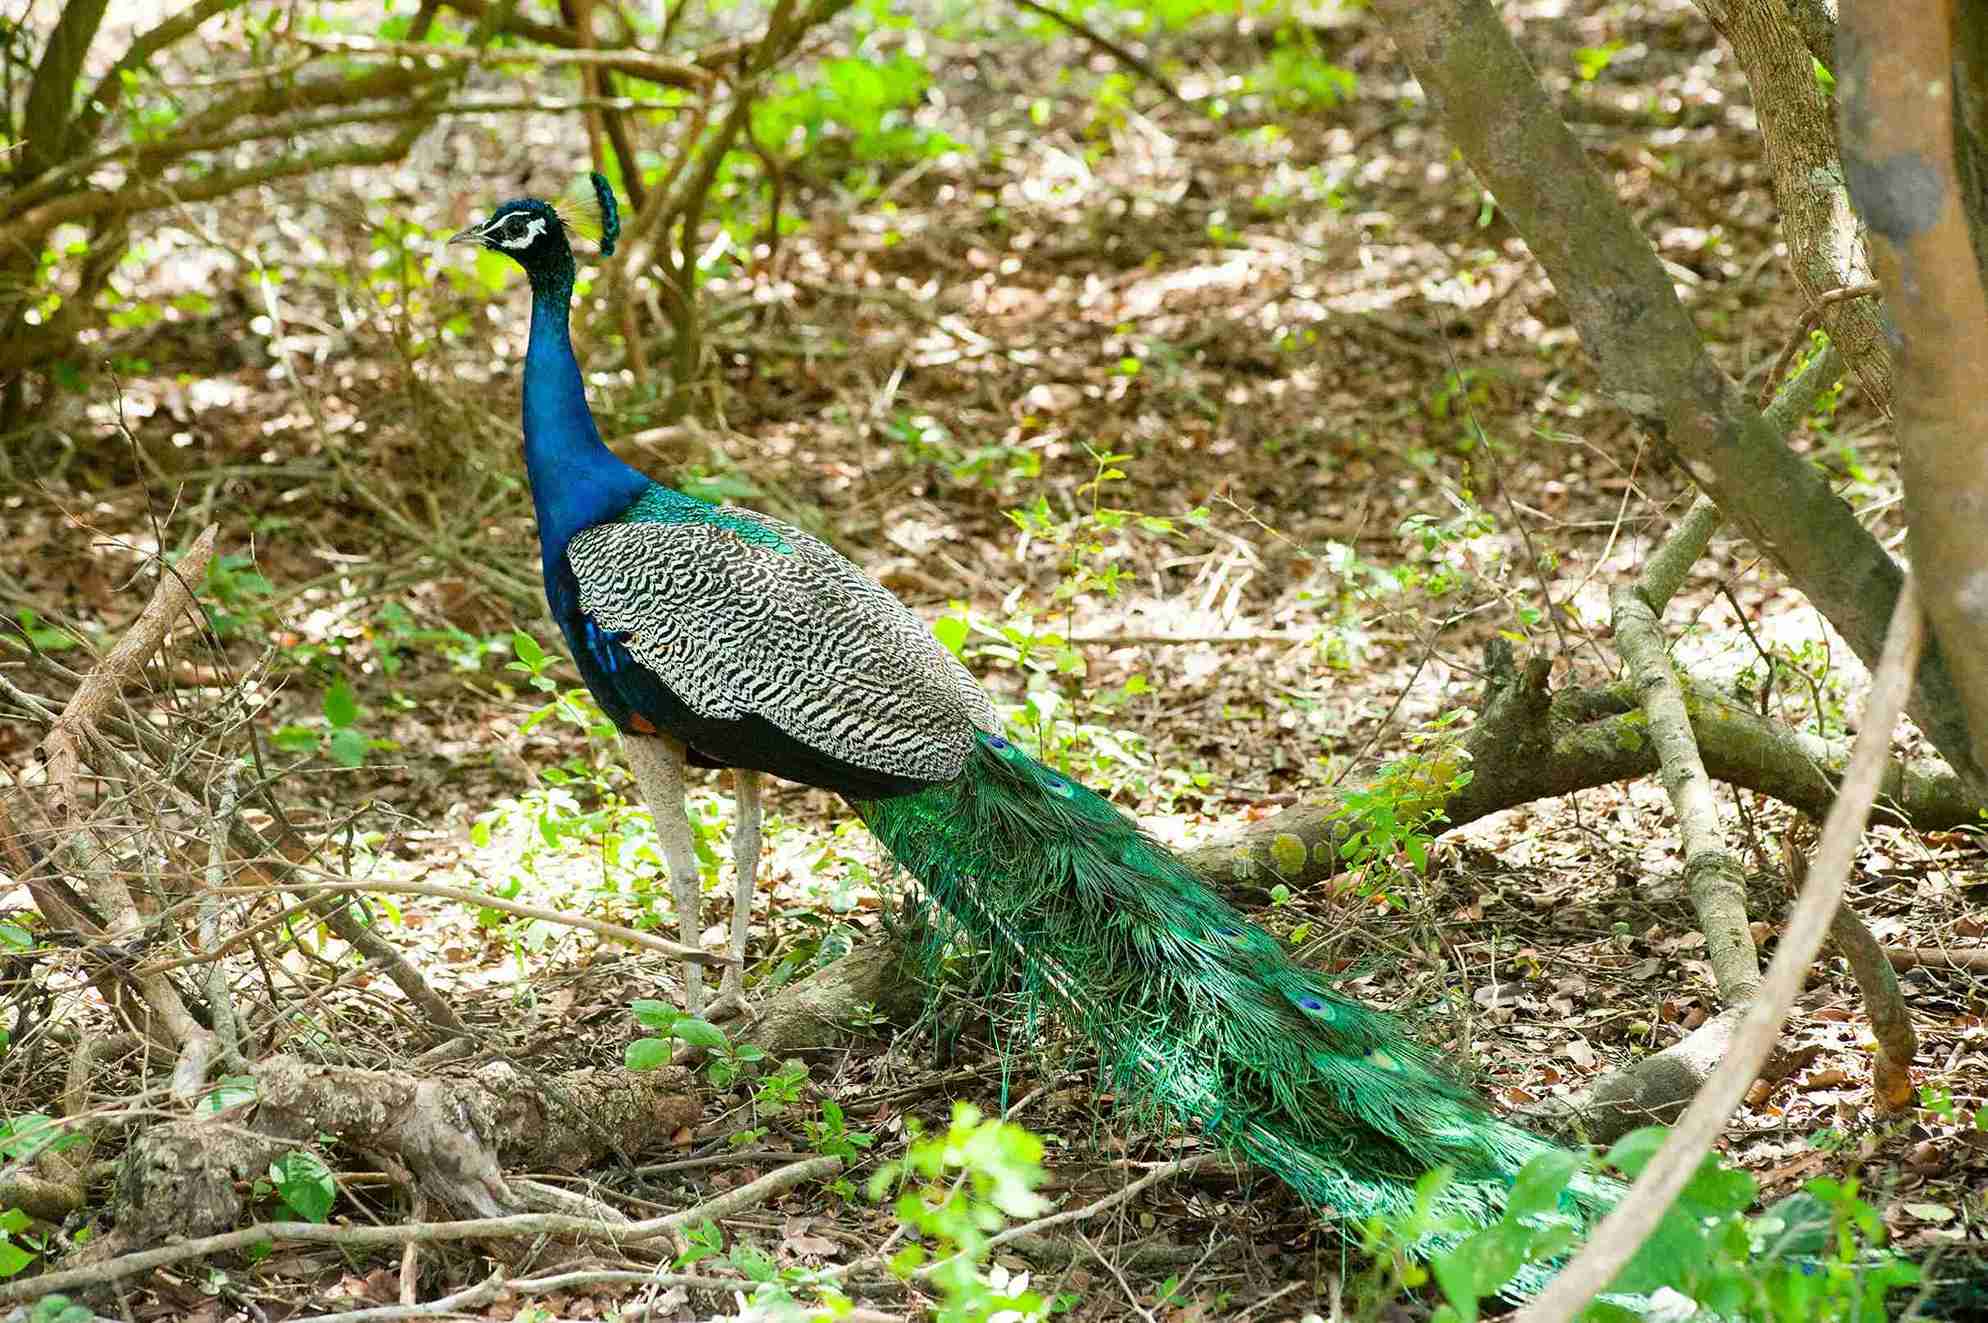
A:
[1653,364]
[654,68]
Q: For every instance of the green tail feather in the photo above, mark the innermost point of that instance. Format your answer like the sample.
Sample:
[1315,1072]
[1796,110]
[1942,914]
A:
[1197,1014]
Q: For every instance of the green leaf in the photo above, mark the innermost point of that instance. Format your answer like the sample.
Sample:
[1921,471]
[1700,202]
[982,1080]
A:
[1456,1273]
[296,739]
[951,631]
[526,649]
[13,1259]
[304,1184]
[647,1054]
[657,1015]
[700,1033]
[21,1137]
[1539,1183]
[347,747]
[341,705]
[1718,1190]
[12,934]
[232,1091]
[14,1221]
[1634,1150]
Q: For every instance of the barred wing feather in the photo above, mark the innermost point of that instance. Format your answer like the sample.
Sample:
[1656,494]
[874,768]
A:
[741,626]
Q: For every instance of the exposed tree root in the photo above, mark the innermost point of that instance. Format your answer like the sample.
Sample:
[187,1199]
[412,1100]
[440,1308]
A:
[456,1136]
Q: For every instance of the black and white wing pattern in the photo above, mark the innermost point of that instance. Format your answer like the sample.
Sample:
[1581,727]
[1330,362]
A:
[741,615]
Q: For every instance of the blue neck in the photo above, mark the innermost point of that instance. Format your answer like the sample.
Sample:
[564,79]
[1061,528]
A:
[576,480]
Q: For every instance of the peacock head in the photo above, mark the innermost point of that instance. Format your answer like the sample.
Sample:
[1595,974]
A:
[533,233]
[527,231]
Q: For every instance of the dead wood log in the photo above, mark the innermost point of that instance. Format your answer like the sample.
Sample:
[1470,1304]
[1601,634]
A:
[456,1134]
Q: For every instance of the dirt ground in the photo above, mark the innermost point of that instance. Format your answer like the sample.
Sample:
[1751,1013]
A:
[1307,323]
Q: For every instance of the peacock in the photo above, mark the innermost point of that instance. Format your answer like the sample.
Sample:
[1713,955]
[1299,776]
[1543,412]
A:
[713,636]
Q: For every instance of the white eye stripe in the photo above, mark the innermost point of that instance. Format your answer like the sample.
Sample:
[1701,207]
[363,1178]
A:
[533,228]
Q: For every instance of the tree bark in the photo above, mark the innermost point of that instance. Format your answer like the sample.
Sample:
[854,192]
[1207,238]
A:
[1825,251]
[1899,155]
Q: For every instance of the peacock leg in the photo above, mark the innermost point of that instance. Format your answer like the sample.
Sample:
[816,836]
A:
[658,764]
[745,861]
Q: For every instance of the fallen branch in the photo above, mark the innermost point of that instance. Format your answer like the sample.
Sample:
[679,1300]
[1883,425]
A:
[167,1022]
[1884,1003]
[524,1225]
[1935,957]
[1631,1222]
[63,746]
[1713,877]
[1528,743]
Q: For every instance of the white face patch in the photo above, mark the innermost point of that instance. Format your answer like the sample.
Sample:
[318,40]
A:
[514,238]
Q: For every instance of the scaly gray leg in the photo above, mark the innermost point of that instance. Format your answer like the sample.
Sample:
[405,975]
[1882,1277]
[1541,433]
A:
[745,860]
[658,764]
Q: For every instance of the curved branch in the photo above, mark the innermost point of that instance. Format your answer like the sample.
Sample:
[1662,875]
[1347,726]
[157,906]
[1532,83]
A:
[108,94]
[653,68]
[1528,744]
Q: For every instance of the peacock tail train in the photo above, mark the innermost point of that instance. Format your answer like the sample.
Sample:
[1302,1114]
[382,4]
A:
[1196,1014]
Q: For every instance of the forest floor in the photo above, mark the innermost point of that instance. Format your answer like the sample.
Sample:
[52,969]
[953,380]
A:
[1321,355]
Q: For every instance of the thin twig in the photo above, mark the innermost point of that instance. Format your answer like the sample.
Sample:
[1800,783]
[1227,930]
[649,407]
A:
[655,68]
[220,1004]
[1104,1204]
[1810,320]
[634,937]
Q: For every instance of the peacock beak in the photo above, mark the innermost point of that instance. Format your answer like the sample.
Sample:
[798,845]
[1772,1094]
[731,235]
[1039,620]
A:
[474,234]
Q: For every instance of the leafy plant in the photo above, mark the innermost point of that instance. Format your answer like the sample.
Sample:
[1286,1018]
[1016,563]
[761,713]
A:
[1815,1257]
[670,1025]
[236,591]
[1394,818]
[60,1309]
[341,739]
[14,1258]
[47,638]
[831,1136]
[964,1186]
[31,1134]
